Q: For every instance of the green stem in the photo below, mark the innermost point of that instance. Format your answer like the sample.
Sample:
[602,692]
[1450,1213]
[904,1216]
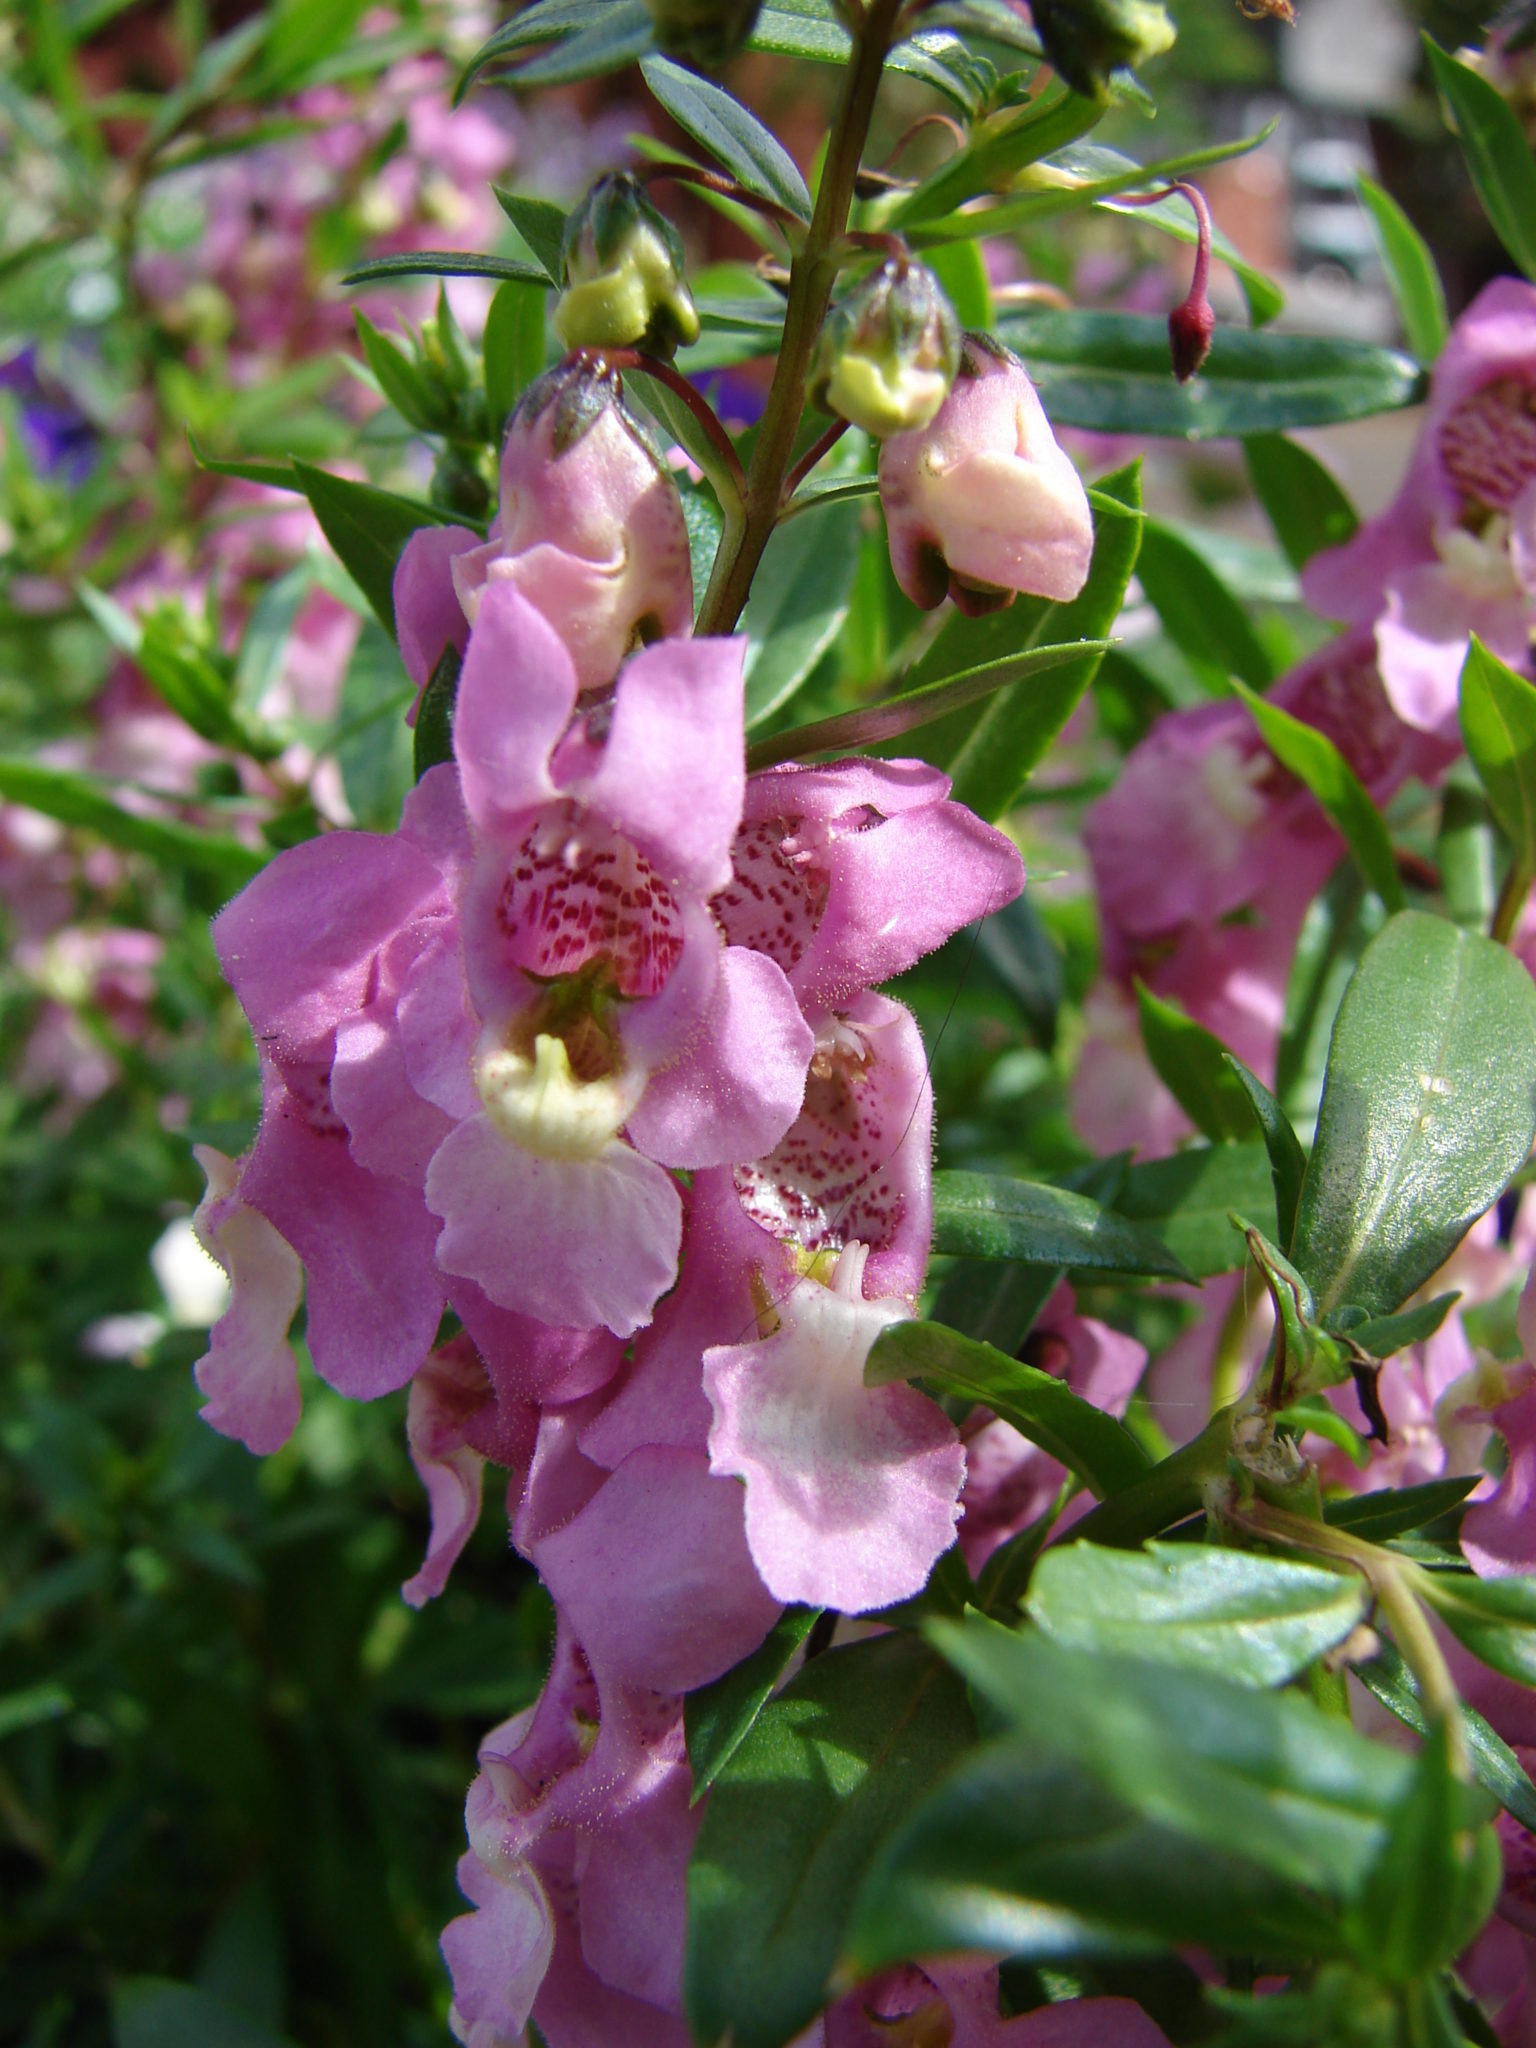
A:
[1168,1493]
[811,278]
[1506,912]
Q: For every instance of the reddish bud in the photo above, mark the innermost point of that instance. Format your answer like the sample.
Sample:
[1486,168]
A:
[1190,327]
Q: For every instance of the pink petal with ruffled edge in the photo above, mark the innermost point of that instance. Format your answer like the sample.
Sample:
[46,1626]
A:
[373,1295]
[248,1374]
[433,818]
[516,695]
[392,1130]
[439,1028]
[450,1400]
[857,1163]
[570,1241]
[1498,1536]
[530,1362]
[655,1577]
[1423,635]
[737,1089]
[852,1491]
[497,1955]
[428,614]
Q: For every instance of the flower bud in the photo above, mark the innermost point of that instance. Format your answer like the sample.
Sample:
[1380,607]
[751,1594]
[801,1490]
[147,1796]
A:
[982,503]
[703,31]
[1086,40]
[887,353]
[591,525]
[622,269]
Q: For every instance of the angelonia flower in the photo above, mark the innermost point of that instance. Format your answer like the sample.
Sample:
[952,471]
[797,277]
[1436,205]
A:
[1088,40]
[590,530]
[982,503]
[1455,552]
[888,351]
[622,274]
[590,1054]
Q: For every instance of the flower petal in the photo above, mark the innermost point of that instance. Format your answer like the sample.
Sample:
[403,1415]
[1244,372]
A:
[248,1373]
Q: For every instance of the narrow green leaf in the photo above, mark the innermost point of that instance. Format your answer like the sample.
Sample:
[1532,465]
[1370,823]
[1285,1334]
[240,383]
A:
[876,723]
[1193,1065]
[444,263]
[1109,371]
[621,33]
[1429,1108]
[995,753]
[1314,760]
[540,223]
[1040,1406]
[1189,1199]
[404,386]
[1287,1161]
[1409,1917]
[981,1216]
[1467,849]
[961,269]
[1498,723]
[514,346]
[368,528]
[1199,614]
[1340,923]
[1493,1618]
[1497,153]
[32,1704]
[84,801]
[1382,1335]
[1301,499]
[735,138]
[1498,1769]
[1410,271]
[1258,1620]
[1397,1510]
[826,1771]
[997,153]
[433,735]
[994,1301]
[717,1718]
[155,2012]
[799,601]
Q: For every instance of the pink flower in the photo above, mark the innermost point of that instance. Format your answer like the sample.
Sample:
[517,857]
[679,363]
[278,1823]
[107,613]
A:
[590,530]
[981,503]
[848,874]
[852,1491]
[583,1027]
[1453,553]
[248,1374]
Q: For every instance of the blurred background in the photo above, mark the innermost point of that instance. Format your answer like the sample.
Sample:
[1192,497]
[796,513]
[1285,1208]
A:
[232,1762]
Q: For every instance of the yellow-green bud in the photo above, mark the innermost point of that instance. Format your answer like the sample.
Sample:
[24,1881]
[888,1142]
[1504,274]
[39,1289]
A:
[887,353]
[622,268]
[703,31]
[1086,40]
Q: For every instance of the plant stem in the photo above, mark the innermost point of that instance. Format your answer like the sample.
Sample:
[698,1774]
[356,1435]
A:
[1506,912]
[811,278]
[1168,1493]
[696,402]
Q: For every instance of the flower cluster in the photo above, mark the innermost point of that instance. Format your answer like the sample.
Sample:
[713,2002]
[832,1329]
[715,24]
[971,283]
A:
[589,1057]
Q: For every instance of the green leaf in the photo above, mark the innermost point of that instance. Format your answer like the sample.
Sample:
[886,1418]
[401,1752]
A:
[433,734]
[998,152]
[1302,501]
[1287,1161]
[1498,1769]
[1314,760]
[1303,1793]
[888,719]
[368,528]
[1467,849]
[961,269]
[1428,1110]
[1109,371]
[1200,615]
[990,755]
[1021,1854]
[1339,925]
[1189,1199]
[540,223]
[1263,296]
[1382,1335]
[445,263]
[996,1302]
[828,1768]
[420,403]
[514,347]
[374,749]
[1493,1618]
[1410,271]
[1497,153]
[717,1718]
[735,138]
[982,1216]
[1498,723]
[1412,1913]
[800,598]
[1397,1510]
[1040,1406]
[1258,1620]
[622,33]
[83,801]
[154,2012]
[1194,1066]
[32,1705]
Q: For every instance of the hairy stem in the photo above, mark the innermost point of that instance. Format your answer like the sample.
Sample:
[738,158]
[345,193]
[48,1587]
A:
[811,279]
